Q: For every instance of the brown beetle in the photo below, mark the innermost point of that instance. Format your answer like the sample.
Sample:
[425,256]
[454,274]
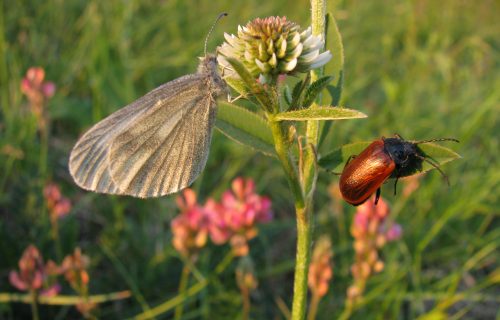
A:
[382,159]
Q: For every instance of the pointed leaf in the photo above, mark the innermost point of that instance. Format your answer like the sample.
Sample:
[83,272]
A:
[336,160]
[333,68]
[287,95]
[245,127]
[298,90]
[238,85]
[319,113]
[336,65]
[263,96]
[314,90]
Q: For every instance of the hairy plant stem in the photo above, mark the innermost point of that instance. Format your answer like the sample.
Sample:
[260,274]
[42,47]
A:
[308,185]
[282,147]
[303,212]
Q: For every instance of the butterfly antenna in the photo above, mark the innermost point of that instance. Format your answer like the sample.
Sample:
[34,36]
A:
[212,28]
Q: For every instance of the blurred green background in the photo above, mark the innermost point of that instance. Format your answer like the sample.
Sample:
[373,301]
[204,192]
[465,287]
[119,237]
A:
[423,69]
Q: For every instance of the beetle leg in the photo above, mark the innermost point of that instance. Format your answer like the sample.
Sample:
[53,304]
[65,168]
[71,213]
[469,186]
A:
[352,156]
[377,196]
[395,184]
[398,136]
[333,172]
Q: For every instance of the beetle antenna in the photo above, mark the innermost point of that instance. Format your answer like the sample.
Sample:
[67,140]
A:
[435,140]
[212,28]
[435,166]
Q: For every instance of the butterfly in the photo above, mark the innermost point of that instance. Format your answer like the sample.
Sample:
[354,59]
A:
[156,145]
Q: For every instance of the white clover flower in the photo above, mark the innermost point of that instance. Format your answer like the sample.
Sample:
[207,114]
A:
[272,46]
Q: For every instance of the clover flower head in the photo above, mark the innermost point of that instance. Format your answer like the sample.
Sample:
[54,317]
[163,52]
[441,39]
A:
[274,46]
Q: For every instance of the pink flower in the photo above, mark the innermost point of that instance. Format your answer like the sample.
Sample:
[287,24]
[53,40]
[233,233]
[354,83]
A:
[58,205]
[395,232]
[38,92]
[369,229]
[235,218]
[33,86]
[190,228]
[219,228]
[33,274]
[74,267]
[320,268]
[51,291]
[30,275]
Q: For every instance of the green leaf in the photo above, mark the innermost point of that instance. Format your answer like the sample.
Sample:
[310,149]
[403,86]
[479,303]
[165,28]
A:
[333,68]
[265,98]
[336,65]
[287,95]
[238,85]
[298,90]
[320,113]
[438,154]
[245,127]
[314,90]
[336,160]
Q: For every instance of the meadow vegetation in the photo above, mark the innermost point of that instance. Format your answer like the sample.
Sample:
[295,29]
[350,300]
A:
[422,69]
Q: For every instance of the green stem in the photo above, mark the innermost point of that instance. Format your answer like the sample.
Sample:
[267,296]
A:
[313,309]
[283,151]
[55,235]
[318,13]
[228,258]
[34,305]
[182,292]
[246,303]
[303,255]
[169,304]
[346,314]
[303,213]
[308,186]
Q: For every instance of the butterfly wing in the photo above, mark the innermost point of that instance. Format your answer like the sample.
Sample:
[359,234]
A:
[91,161]
[169,149]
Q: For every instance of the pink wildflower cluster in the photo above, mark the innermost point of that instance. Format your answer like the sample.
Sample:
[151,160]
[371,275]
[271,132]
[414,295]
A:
[38,92]
[74,267]
[232,220]
[58,205]
[190,228]
[371,232]
[34,274]
[320,268]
